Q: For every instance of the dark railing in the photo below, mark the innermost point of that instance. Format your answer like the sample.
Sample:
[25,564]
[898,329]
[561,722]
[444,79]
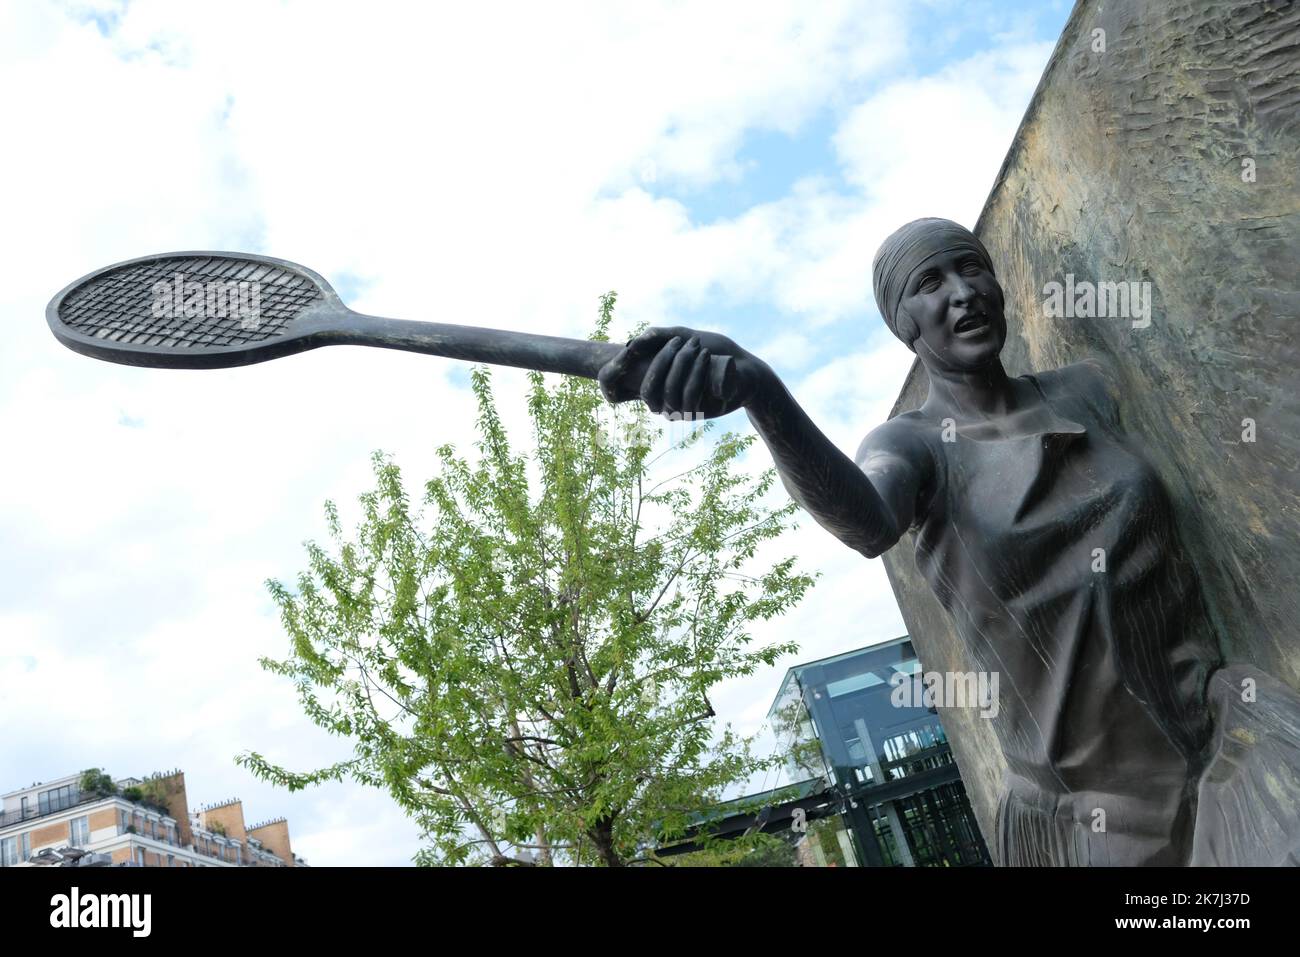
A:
[78,798]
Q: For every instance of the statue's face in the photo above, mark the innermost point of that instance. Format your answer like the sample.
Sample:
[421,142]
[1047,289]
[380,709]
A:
[956,304]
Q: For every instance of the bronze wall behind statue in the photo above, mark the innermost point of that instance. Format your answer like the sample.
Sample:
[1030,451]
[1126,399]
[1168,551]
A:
[1134,163]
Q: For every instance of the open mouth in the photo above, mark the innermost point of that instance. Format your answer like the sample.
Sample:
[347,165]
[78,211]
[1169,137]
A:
[972,325]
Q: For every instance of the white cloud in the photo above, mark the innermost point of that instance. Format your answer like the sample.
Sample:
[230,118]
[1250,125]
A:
[934,144]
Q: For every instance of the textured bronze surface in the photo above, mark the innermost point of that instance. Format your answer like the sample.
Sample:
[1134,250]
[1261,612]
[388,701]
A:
[1129,166]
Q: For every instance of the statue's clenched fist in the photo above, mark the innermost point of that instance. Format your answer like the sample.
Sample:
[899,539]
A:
[682,372]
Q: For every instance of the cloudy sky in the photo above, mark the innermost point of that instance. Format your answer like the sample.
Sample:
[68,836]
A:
[727,165]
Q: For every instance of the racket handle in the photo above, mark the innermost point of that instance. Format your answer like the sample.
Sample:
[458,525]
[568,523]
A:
[522,350]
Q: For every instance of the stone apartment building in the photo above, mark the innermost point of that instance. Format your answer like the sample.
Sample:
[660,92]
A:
[158,831]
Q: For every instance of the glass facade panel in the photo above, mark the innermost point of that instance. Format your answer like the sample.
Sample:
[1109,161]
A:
[56,799]
[903,804]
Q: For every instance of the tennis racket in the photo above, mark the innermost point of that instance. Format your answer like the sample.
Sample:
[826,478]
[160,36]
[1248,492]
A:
[214,310]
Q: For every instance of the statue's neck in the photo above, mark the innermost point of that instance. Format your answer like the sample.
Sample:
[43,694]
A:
[986,393]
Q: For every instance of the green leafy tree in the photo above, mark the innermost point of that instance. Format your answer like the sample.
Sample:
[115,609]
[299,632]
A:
[95,781]
[155,793]
[524,661]
[797,740]
[752,850]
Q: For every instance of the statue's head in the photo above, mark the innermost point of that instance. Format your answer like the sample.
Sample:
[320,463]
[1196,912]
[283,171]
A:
[934,283]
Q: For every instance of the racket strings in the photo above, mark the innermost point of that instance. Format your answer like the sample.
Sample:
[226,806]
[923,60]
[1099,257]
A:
[189,302]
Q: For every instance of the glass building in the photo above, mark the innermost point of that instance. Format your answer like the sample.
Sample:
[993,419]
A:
[874,782]
[850,721]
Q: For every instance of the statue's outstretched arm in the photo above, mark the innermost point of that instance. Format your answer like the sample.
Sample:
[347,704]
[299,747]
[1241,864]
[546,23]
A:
[866,504]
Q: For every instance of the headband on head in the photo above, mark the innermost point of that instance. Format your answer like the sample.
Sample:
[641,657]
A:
[904,250]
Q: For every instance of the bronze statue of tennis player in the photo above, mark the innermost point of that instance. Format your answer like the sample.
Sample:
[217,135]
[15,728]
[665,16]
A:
[1052,543]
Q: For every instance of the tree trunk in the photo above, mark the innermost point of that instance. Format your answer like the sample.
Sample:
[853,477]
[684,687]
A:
[602,836]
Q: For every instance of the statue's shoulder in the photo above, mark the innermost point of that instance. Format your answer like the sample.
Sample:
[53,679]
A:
[902,459]
[908,436]
[1094,380]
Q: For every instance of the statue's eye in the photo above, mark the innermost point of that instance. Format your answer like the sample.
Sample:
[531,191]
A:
[971,267]
[928,283]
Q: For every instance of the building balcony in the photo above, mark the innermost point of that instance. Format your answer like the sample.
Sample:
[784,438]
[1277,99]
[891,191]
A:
[23,815]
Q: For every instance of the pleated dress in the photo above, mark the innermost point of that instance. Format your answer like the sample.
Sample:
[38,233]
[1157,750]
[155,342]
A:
[1055,548]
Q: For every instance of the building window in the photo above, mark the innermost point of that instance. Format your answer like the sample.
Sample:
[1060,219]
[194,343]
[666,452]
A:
[139,856]
[123,820]
[56,799]
[8,851]
[171,860]
[27,846]
[80,832]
